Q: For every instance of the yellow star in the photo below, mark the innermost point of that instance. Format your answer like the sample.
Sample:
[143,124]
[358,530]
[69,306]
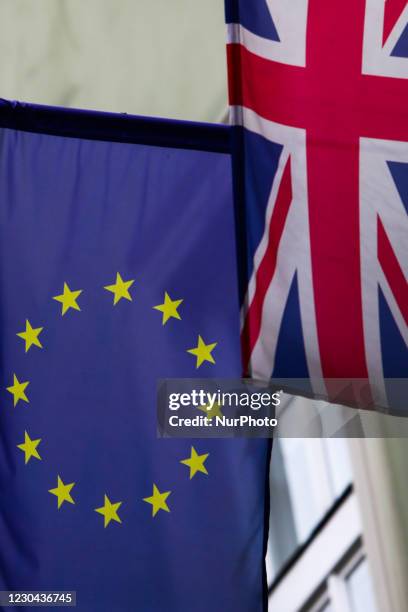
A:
[120,289]
[68,299]
[30,335]
[195,462]
[168,308]
[29,447]
[17,390]
[109,511]
[62,491]
[213,412]
[203,352]
[158,500]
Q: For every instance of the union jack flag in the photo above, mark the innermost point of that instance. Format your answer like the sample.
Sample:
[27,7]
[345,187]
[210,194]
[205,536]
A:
[321,89]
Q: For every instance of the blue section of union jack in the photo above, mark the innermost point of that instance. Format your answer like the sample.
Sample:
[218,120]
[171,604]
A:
[324,106]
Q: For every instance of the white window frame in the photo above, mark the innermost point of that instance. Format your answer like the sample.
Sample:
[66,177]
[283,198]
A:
[319,559]
[335,592]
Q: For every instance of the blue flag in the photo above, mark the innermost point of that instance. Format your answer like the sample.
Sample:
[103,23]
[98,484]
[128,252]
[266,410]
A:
[117,269]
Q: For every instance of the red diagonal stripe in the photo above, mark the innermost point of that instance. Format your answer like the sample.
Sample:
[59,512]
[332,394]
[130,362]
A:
[393,10]
[267,267]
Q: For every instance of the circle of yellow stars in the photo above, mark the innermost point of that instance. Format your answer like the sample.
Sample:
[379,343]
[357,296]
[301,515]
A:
[169,309]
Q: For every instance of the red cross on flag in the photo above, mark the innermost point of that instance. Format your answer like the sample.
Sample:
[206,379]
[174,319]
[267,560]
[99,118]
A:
[321,90]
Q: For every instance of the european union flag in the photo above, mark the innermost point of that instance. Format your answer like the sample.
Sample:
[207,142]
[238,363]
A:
[118,268]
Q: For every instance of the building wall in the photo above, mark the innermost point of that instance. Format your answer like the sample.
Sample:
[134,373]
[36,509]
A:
[146,57]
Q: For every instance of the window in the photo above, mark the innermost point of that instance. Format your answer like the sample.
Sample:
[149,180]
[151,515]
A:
[307,477]
[316,559]
[346,590]
[360,589]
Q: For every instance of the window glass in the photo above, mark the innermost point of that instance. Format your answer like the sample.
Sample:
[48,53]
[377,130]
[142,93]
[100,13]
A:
[339,465]
[300,459]
[360,589]
[306,478]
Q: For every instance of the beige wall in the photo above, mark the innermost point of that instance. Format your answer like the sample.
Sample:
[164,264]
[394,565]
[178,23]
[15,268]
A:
[149,57]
